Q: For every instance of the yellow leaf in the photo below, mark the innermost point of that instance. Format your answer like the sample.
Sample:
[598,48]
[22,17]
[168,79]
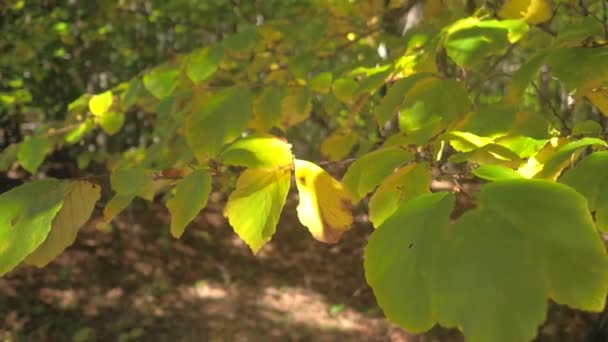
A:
[338,145]
[78,204]
[532,11]
[599,98]
[325,205]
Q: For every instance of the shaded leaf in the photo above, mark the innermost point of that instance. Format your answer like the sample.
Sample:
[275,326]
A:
[338,144]
[162,81]
[203,63]
[189,197]
[32,151]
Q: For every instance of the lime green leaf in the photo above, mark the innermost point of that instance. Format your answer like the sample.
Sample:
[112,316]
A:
[401,186]
[469,41]
[590,178]
[489,154]
[258,151]
[79,132]
[26,213]
[219,121]
[267,109]
[190,196]
[131,181]
[560,159]
[253,209]
[321,83]
[111,122]
[8,157]
[465,141]
[162,81]
[203,63]
[345,89]
[78,203]
[496,173]
[425,270]
[99,104]
[338,144]
[241,41]
[367,172]
[393,99]
[32,151]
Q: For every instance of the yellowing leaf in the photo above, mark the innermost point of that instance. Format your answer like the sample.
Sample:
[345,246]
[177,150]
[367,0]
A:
[190,196]
[100,103]
[258,151]
[295,107]
[111,122]
[78,203]
[325,205]
[117,204]
[203,63]
[253,209]
[321,83]
[338,145]
[401,186]
[599,98]
[267,108]
[532,11]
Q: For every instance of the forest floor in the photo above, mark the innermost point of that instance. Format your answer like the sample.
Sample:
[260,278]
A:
[136,283]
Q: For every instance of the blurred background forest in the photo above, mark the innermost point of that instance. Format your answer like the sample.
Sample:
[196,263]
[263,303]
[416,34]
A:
[131,281]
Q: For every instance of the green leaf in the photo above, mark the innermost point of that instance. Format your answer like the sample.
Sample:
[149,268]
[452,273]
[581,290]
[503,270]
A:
[321,83]
[130,181]
[79,132]
[560,159]
[26,213]
[301,64]
[203,63]
[254,207]
[367,172]
[295,107]
[131,95]
[162,81]
[111,122]
[469,41]
[117,204]
[258,151]
[241,41]
[99,104]
[190,196]
[580,68]
[425,270]
[8,157]
[590,178]
[393,99]
[496,173]
[345,89]
[401,186]
[522,77]
[219,121]
[32,151]
[267,109]
[78,203]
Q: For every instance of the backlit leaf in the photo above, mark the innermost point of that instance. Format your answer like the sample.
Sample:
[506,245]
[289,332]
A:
[189,197]
[258,151]
[111,122]
[78,203]
[26,213]
[496,173]
[325,206]
[162,81]
[254,207]
[560,159]
[100,103]
[532,11]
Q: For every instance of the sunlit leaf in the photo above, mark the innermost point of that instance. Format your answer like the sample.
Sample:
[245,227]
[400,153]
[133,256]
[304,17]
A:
[79,200]
[532,11]
[254,207]
[496,173]
[26,213]
[162,81]
[189,197]
[258,151]
[325,206]
[99,104]
[111,122]
[562,157]
[203,63]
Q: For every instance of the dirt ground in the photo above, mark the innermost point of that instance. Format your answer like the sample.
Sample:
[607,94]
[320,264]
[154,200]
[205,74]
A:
[136,283]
